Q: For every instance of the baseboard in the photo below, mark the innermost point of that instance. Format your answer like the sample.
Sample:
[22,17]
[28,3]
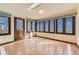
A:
[56,40]
[9,42]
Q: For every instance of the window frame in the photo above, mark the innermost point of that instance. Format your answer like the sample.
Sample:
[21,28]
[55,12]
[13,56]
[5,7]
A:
[63,24]
[9,26]
[27,26]
[35,25]
[38,25]
[73,26]
[50,27]
[42,26]
[32,26]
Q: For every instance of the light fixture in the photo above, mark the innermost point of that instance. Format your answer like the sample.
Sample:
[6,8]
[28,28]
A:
[41,11]
[33,6]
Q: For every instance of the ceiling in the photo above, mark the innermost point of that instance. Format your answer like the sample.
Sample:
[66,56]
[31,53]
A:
[21,9]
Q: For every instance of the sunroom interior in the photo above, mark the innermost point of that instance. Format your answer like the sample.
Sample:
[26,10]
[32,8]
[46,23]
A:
[39,28]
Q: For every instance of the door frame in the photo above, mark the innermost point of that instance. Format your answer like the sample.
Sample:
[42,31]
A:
[15,18]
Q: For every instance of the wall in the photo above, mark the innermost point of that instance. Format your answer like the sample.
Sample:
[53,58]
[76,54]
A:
[68,38]
[77,27]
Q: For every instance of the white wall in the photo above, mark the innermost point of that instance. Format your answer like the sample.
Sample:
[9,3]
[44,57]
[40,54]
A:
[61,37]
[77,27]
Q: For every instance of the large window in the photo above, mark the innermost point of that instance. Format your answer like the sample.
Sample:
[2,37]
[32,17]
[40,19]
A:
[52,26]
[46,26]
[4,25]
[29,26]
[69,25]
[42,26]
[38,26]
[59,25]
[33,26]
[65,25]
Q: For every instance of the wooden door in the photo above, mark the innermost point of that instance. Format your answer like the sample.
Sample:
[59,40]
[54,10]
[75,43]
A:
[19,28]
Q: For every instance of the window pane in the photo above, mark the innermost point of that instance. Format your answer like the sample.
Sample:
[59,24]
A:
[38,26]
[4,25]
[33,26]
[46,26]
[19,24]
[60,25]
[51,25]
[29,26]
[69,24]
[41,26]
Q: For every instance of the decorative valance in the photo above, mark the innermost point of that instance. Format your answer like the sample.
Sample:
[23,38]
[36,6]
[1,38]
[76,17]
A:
[6,14]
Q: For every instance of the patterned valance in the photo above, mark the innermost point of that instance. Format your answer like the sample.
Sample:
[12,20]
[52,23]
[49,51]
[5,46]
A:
[3,13]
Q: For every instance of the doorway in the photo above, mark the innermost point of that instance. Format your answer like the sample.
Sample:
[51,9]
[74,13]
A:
[19,28]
